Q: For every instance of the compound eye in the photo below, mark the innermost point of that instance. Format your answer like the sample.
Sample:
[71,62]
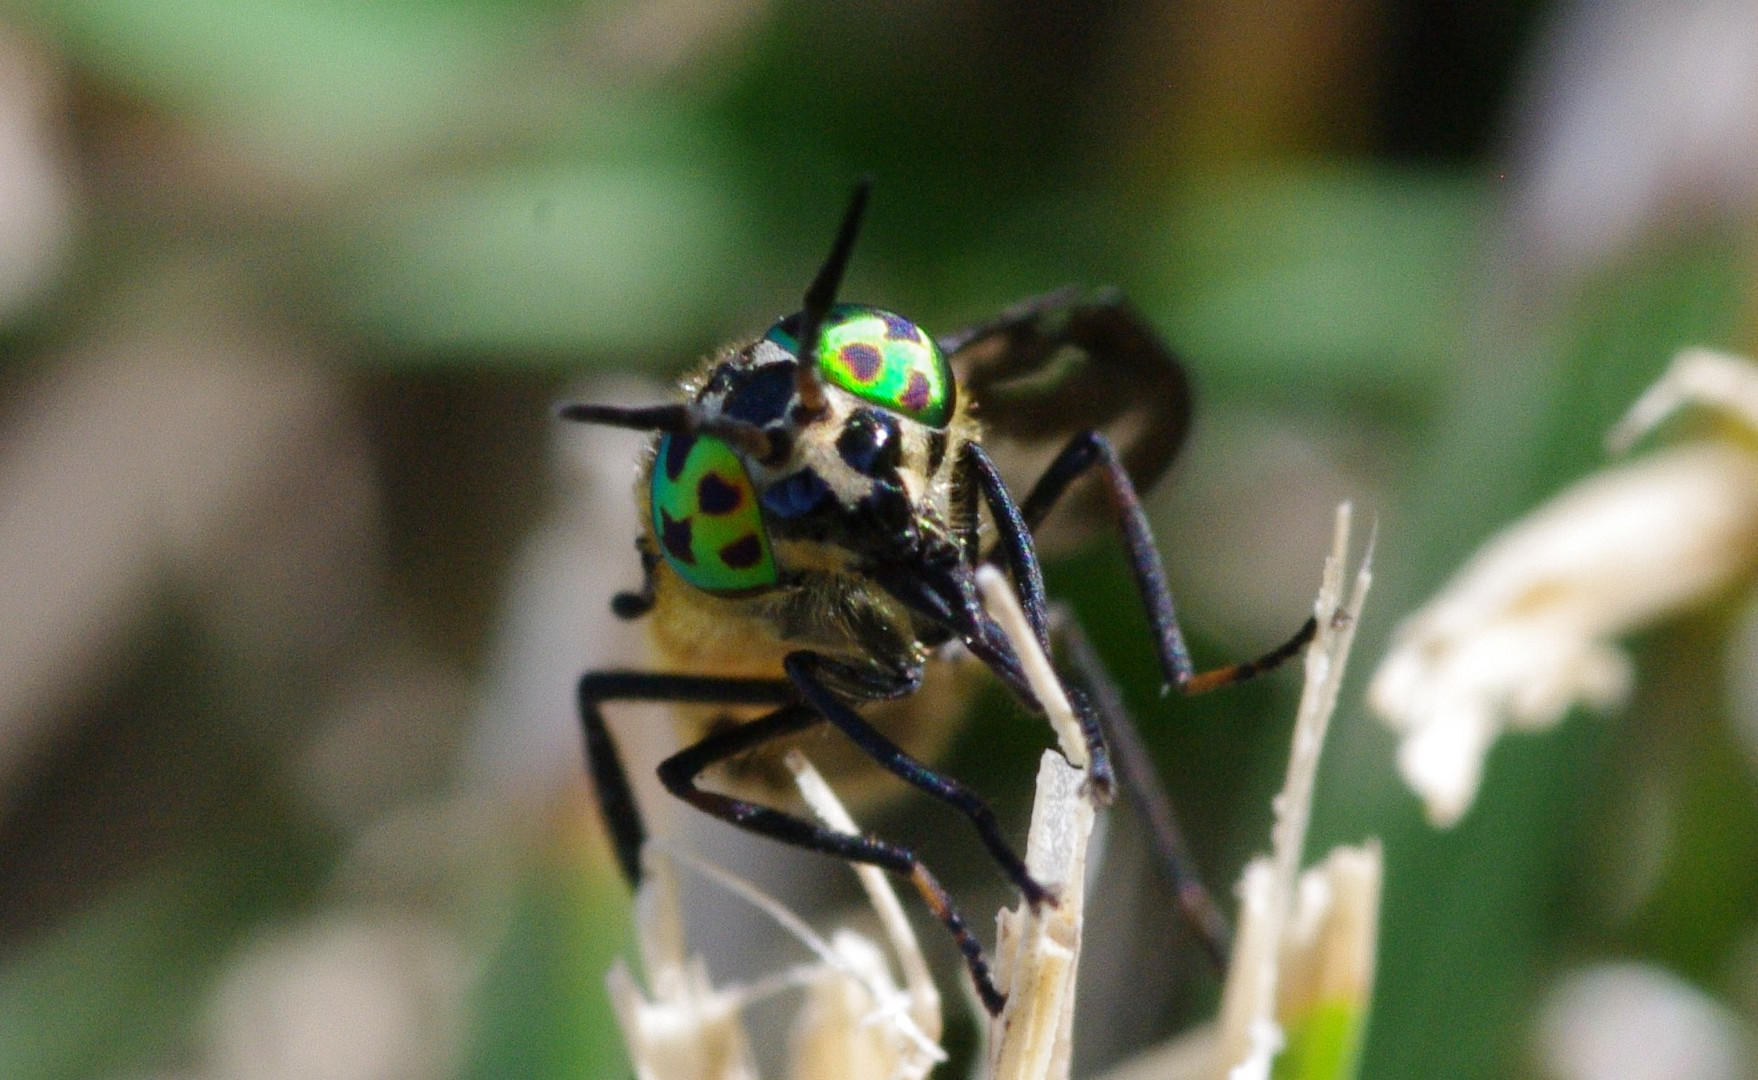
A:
[882,358]
[705,516]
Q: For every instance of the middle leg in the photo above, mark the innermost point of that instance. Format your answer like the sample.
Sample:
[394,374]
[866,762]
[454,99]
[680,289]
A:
[1091,450]
[1145,792]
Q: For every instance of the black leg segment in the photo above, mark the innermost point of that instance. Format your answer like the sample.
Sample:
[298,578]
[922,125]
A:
[679,773]
[1147,795]
[802,668]
[610,781]
[1091,450]
[1014,538]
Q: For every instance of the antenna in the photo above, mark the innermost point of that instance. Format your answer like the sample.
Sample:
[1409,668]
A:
[820,297]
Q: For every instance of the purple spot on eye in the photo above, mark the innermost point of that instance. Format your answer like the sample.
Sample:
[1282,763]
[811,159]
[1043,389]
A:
[863,361]
[716,497]
[743,553]
[678,538]
[677,455]
[915,395]
[898,328]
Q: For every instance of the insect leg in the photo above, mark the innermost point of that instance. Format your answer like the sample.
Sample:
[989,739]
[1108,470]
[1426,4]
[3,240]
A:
[633,605]
[1146,794]
[1075,359]
[610,781]
[679,773]
[802,667]
[964,510]
[1091,449]
[1015,541]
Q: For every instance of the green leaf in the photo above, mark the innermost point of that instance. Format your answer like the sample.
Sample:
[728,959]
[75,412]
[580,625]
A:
[1325,1044]
[1350,273]
[541,1010]
[566,257]
[312,79]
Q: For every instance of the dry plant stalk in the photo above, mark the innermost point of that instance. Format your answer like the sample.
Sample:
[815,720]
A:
[1279,905]
[855,1023]
[1301,941]
[921,1001]
[1037,952]
[1305,956]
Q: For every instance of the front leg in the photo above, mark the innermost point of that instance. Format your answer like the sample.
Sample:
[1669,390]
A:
[679,773]
[803,669]
[610,780]
[1014,540]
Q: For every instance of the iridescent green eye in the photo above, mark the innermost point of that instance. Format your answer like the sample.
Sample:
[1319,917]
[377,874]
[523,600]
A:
[884,359]
[705,516]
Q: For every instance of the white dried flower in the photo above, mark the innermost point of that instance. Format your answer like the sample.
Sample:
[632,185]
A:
[847,1031]
[866,1020]
[856,1022]
[1526,628]
[1702,377]
[682,1028]
[1627,1021]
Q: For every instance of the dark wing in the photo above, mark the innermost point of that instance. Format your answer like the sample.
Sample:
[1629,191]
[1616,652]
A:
[1053,366]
